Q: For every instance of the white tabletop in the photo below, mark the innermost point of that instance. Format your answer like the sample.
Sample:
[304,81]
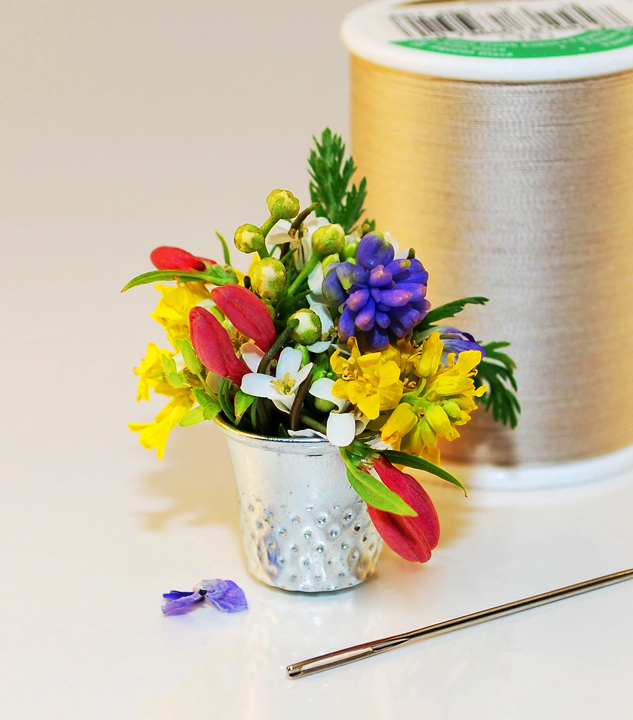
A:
[129,125]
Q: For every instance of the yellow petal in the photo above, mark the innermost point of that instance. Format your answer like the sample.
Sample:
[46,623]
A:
[401,421]
[440,422]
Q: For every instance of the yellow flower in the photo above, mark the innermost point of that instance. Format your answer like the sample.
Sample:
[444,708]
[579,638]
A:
[172,311]
[150,371]
[442,398]
[371,382]
[154,434]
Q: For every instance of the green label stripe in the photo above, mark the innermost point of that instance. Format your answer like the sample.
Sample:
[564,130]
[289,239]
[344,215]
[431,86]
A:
[587,42]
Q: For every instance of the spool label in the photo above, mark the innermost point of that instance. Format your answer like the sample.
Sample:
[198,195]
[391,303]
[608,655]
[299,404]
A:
[536,29]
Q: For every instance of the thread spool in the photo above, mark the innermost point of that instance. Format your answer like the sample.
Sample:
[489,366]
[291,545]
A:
[506,160]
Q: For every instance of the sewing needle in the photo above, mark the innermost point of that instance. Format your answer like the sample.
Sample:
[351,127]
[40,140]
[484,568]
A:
[360,652]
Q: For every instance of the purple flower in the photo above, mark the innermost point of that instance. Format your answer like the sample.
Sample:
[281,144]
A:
[225,595]
[456,341]
[379,296]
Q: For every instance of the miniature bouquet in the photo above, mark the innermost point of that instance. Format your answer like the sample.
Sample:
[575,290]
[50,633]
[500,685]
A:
[329,334]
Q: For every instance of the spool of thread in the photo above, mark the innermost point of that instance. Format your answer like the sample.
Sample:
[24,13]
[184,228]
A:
[497,140]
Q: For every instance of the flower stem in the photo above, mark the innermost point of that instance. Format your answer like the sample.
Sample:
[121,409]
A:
[269,225]
[277,345]
[314,260]
[307,420]
[225,400]
[300,397]
[296,223]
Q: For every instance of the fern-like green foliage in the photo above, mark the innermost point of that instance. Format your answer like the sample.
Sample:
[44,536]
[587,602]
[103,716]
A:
[447,311]
[496,370]
[331,175]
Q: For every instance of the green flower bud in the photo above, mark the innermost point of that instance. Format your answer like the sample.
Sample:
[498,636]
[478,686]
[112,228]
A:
[309,329]
[349,251]
[249,238]
[268,277]
[282,204]
[305,354]
[329,259]
[328,239]
[324,405]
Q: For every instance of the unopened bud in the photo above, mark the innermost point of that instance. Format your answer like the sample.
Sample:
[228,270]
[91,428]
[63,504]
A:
[268,277]
[249,238]
[328,239]
[309,329]
[349,251]
[282,204]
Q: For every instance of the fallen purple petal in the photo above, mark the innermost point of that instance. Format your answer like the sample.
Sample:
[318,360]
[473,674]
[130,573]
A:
[225,595]
[179,603]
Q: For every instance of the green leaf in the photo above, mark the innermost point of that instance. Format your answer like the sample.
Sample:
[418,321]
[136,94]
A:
[399,458]
[193,417]
[210,404]
[496,371]
[225,249]
[374,493]
[330,177]
[177,380]
[215,275]
[448,310]
[169,364]
[189,356]
[242,402]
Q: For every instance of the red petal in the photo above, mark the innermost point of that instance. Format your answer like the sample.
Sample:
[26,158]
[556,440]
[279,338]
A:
[247,312]
[173,258]
[213,345]
[412,538]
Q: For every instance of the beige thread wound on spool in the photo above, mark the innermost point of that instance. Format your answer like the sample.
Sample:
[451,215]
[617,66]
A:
[522,193]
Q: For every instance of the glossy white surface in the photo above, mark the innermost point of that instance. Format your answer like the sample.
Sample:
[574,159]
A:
[130,125]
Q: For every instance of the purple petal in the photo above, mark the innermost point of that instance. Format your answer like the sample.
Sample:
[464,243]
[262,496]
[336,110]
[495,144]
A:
[456,341]
[375,293]
[422,306]
[182,604]
[397,267]
[230,599]
[395,297]
[379,277]
[349,274]
[333,290]
[377,338]
[383,319]
[417,291]
[407,316]
[358,299]
[346,326]
[398,329]
[366,317]
[374,249]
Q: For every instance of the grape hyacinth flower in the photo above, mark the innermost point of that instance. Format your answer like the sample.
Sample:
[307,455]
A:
[378,295]
[225,595]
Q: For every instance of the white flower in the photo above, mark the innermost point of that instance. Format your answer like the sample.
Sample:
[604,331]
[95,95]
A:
[320,346]
[282,388]
[342,427]
[251,355]
[302,240]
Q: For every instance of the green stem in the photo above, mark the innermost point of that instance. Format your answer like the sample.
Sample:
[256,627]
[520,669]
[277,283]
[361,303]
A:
[278,344]
[307,420]
[225,249]
[269,225]
[314,260]
[224,400]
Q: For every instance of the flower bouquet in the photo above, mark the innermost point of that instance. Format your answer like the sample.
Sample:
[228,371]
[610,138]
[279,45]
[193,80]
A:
[328,339]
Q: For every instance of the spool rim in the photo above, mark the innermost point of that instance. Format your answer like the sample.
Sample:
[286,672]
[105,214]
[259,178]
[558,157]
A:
[366,33]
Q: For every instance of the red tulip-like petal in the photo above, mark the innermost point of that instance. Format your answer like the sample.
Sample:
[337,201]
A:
[213,346]
[247,312]
[173,258]
[412,538]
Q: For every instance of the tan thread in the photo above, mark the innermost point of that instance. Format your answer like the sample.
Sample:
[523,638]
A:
[522,193]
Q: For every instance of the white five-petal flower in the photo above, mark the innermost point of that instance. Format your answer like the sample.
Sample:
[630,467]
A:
[282,388]
[342,427]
